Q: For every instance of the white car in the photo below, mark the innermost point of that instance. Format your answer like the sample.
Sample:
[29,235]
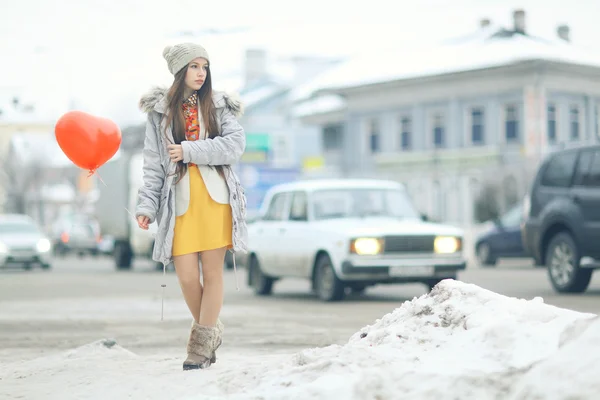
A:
[348,234]
[23,243]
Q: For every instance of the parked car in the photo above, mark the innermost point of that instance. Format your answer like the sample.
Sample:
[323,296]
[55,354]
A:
[561,228]
[75,236]
[22,243]
[502,239]
[348,234]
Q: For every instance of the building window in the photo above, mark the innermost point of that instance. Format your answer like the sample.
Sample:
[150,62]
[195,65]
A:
[511,123]
[551,124]
[374,136]
[405,133]
[574,122]
[477,133]
[332,137]
[439,139]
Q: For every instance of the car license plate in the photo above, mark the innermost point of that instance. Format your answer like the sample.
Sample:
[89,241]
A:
[412,270]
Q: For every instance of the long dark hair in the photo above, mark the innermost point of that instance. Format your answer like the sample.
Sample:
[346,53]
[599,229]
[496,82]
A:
[175,117]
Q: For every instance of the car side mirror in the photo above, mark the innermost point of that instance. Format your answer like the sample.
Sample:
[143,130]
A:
[498,223]
[424,217]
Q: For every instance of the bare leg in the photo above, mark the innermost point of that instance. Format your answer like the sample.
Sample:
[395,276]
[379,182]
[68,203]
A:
[188,275]
[212,297]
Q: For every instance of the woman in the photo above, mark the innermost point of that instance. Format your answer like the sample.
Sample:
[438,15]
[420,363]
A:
[190,190]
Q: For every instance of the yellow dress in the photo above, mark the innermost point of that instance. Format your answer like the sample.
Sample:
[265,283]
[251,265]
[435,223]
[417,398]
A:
[206,224]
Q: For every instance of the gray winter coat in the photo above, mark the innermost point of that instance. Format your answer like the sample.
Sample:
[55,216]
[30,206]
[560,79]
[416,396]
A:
[156,198]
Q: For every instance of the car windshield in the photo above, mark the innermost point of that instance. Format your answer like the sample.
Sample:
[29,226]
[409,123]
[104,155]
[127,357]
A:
[362,202]
[17,227]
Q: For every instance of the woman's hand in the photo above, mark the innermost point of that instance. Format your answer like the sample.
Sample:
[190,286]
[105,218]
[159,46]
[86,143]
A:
[175,152]
[143,222]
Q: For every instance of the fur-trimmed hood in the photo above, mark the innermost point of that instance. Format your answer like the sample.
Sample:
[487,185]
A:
[156,100]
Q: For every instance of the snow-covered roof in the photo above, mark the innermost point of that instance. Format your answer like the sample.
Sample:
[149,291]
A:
[319,105]
[31,146]
[258,94]
[479,51]
[34,105]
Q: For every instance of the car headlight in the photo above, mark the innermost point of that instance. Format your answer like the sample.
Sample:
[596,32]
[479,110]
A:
[446,244]
[3,248]
[366,246]
[43,245]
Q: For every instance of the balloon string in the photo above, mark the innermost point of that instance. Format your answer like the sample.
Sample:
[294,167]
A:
[130,213]
[92,172]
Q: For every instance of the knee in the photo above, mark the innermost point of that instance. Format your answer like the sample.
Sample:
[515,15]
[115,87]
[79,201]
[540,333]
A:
[189,279]
[212,274]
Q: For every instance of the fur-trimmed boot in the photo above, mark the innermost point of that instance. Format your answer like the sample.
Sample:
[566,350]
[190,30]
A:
[220,327]
[201,346]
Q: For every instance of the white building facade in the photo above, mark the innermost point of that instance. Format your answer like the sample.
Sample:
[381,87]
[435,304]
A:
[481,112]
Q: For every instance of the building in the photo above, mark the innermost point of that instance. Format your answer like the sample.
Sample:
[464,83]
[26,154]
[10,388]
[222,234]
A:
[477,113]
[279,148]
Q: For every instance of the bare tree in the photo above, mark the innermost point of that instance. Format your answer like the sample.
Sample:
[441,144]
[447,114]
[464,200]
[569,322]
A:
[20,176]
[487,206]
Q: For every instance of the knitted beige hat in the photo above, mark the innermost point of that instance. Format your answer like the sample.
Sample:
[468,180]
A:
[181,54]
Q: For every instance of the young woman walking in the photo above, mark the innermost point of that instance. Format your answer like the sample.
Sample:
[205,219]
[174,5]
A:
[190,190]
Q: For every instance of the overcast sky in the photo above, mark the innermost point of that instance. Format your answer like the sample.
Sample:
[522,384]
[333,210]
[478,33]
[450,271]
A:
[105,53]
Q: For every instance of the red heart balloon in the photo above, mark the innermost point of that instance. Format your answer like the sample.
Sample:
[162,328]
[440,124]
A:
[87,140]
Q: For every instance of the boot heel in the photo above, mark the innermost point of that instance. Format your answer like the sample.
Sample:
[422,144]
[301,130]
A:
[193,363]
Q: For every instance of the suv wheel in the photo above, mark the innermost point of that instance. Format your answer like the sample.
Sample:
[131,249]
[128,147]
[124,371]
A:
[562,260]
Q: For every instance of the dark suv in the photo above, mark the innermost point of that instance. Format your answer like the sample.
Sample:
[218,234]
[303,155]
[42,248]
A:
[561,225]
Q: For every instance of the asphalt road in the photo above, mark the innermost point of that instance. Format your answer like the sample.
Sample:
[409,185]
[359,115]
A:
[83,300]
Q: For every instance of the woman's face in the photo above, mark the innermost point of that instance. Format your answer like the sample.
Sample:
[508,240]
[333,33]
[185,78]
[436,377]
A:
[196,73]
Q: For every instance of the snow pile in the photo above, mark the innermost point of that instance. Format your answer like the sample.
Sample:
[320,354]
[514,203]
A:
[458,342]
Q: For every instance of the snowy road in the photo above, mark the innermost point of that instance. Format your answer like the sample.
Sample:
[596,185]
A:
[42,312]
[52,326]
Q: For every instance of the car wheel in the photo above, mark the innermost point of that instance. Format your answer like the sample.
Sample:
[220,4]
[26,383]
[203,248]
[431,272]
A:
[562,260]
[328,285]
[485,256]
[46,266]
[261,283]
